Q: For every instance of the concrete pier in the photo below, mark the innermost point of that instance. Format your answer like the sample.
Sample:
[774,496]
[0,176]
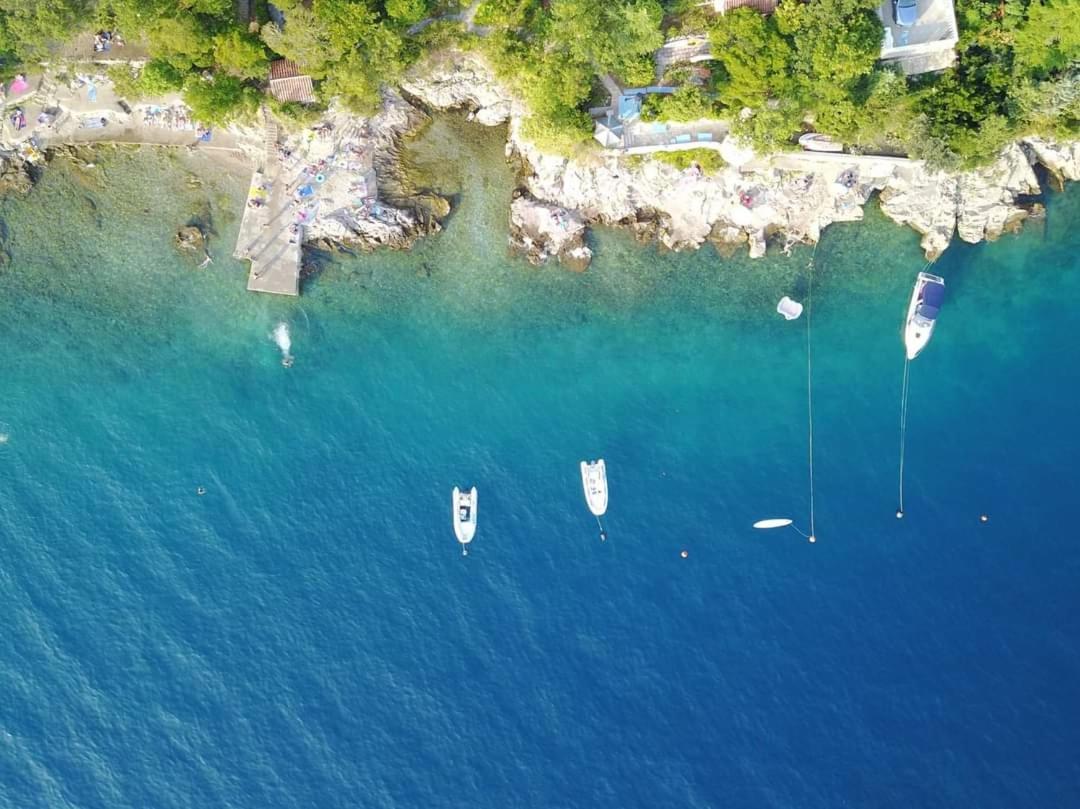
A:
[266,238]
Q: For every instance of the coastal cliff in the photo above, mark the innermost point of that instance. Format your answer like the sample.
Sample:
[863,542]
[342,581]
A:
[789,197]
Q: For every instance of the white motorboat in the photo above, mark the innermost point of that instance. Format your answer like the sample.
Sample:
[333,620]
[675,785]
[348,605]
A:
[594,481]
[926,300]
[464,513]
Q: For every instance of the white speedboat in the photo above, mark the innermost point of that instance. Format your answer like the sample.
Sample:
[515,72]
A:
[594,481]
[464,511]
[926,300]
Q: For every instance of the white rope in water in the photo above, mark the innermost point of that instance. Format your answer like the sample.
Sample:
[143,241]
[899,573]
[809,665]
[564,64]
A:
[903,429]
[904,389]
[810,385]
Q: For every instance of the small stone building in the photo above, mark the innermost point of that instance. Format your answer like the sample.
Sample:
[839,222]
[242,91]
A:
[288,84]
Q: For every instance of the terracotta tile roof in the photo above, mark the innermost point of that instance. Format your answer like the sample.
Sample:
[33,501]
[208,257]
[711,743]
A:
[295,88]
[764,6]
[283,69]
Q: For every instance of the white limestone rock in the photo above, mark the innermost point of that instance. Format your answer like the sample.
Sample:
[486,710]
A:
[1061,159]
[794,195]
[542,231]
[456,80]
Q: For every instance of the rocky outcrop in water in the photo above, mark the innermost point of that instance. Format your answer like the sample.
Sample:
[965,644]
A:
[399,213]
[189,239]
[976,205]
[541,231]
[16,175]
[1062,160]
[753,199]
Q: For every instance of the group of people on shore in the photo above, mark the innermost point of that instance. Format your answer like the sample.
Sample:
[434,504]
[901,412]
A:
[104,40]
[173,117]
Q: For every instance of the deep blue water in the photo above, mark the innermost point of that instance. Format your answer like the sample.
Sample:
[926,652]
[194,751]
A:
[307,634]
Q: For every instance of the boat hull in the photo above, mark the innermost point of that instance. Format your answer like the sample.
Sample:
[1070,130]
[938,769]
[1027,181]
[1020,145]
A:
[594,483]
[918,331]
[463,514]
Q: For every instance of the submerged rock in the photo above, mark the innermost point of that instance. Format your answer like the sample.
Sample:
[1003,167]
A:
[189,239]
[15,176]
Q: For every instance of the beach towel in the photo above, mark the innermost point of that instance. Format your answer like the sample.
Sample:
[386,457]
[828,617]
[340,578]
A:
[91,94]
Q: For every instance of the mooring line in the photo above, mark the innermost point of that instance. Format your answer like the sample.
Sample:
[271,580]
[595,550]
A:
[810,386]
[903,429]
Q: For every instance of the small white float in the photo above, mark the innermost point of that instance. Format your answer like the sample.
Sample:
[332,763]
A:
[791,310]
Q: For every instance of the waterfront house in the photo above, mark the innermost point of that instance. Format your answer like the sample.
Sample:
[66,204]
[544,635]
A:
[925,46]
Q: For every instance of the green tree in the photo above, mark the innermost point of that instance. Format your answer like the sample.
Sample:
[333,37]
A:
[1049,40]
[29,27]
[156,78]
[218,99]
[406,11]
[240,54]
[222,9]
[835,40]
[307,43]
[611,36]
[688,103]
[182,42]
[756,59]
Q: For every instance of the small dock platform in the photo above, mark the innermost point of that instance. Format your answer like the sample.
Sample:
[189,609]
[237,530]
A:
[267,239]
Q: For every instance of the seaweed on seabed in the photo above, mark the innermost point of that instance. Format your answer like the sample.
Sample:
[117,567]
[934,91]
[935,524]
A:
[5,253]
[203,219]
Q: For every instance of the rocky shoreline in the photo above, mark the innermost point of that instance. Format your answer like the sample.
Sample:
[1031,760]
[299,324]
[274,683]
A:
[751,202]
[17,174]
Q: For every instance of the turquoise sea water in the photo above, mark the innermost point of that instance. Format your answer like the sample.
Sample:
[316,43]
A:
[307,634]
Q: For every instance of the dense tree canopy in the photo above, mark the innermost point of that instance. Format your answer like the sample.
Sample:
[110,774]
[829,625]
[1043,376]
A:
[812,63]
[817,63]
[28,27]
